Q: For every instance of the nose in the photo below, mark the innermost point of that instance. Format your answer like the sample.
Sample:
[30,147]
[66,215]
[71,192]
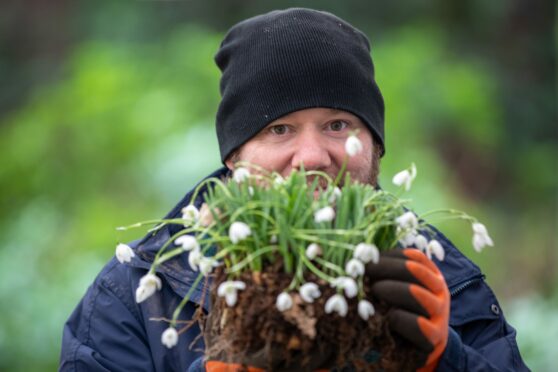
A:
[311,151]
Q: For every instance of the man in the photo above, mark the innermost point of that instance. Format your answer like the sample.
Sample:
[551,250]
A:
[294,84]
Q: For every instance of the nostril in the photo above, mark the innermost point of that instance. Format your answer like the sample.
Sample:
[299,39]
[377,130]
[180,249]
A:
[311,158]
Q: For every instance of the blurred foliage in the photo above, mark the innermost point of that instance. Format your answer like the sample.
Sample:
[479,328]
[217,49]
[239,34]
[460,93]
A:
[125,127]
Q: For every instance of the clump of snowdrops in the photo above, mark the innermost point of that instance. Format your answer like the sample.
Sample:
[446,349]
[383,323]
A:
[306,220]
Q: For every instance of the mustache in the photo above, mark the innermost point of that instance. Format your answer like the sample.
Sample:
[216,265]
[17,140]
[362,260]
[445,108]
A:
[321,182]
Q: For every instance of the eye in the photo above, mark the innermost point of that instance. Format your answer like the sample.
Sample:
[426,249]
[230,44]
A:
[338,125]
[279,130]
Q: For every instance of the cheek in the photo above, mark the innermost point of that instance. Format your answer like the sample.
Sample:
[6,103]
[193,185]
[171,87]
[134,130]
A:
[268,157]
[362,163]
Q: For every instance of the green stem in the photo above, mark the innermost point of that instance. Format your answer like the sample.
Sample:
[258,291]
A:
[139,224]
[251,257]
[320,274]
[460,214]
[184,301]
[340,174]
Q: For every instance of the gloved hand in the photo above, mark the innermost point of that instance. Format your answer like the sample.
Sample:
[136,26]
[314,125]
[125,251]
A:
[407,280]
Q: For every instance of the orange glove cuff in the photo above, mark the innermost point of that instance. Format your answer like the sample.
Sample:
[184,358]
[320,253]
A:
[217,366]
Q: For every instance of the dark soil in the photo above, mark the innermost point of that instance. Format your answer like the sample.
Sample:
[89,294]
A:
[304,338]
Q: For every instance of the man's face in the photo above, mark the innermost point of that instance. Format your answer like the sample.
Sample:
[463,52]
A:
[314,137]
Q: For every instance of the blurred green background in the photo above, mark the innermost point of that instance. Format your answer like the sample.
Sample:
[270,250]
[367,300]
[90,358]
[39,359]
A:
[107,112]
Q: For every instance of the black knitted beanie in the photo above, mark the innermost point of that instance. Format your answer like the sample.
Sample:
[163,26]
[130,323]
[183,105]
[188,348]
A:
[288,60]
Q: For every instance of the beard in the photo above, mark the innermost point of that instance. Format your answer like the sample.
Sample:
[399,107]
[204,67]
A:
[366,173]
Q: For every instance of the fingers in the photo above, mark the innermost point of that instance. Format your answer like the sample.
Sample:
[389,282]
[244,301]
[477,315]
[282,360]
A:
[398,294]
[408,265]
[432,304]
[393,268]
[421,304]
[406,324]
[432,331]
[418,256]
[410,297]
[433,280]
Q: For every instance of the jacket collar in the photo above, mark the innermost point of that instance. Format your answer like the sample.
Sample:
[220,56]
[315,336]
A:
[176,271]
[456,268]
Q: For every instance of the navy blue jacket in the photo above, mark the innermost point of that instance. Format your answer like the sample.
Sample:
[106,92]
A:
[109,331]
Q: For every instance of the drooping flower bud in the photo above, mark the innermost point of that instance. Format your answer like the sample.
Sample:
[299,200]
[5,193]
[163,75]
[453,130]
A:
[309,292]
[434,247]
[405,177]
[188,242]
[190,215]
[124,253]
[148,285]
[229,289]
[313,250]
[338,304]
[367,253]
[354,268]
[241,174]
[169,338]
[365,309]
[481,238]
[239,231]
[284,301]
[353,145]
[325,214]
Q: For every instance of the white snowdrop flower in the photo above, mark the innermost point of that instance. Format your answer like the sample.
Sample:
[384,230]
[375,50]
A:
[408,239]
[325,214]
[278,180]
[273,239]
[124,253]
[338,304]
[149,284]
[309,292]
[347,284]
[284,301]
[405,177]
[241,174]
[481,238]
[407,221]
[188,242]
[313,250]
[250,190]
[239,231]
[335,195]
[229,289]
[194,258]
[354,267]
[206,265]
[435,248]
[479,228]
[190,215]
[353,145]
[169,338]
[367,253]
[421,242]
[365,309]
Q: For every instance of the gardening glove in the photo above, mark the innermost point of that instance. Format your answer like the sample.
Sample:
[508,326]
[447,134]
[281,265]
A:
[219,361]
[412,284]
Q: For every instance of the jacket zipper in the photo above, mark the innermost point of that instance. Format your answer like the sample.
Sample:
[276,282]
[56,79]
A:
[461,287]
